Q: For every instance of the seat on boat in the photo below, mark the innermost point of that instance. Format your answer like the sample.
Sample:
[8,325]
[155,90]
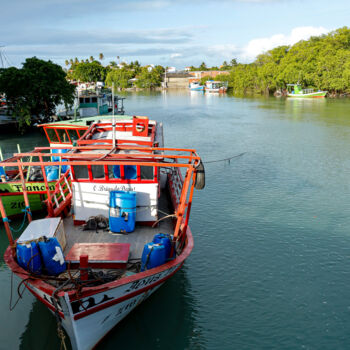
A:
[101,255]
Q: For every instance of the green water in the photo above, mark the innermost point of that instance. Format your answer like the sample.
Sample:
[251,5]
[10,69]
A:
[271,264]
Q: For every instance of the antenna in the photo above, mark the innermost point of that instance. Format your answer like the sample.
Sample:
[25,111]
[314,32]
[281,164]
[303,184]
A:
[113,124]
[4,61]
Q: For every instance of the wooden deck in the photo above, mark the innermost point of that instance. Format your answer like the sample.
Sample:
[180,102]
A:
[137,239]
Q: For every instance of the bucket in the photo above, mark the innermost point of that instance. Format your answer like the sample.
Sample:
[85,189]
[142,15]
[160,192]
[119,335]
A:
[164,239]
[122,211]
[129,172]
[53,258]
[28,257]
[153,255]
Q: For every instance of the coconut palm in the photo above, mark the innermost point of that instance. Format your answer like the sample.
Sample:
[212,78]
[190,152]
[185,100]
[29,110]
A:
[76,60]
[71,61]
[101,57]
[66,62]
[92,58]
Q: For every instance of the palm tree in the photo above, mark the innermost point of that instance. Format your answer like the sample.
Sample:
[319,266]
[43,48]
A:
[118,58]
[101,56]
[76,60]
[92,59]
[66,62]
[71,61]
[86,61]
[113,63]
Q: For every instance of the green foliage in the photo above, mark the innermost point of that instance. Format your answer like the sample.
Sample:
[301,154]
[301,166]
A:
[87,71]
[321,62]
[36,89]
[120,77]
[150,78]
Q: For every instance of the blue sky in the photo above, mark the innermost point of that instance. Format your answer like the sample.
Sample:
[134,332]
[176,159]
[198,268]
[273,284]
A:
[168,32]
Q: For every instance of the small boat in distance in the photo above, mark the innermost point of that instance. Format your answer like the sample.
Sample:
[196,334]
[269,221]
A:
[295,90]
[196,86]
[216,86]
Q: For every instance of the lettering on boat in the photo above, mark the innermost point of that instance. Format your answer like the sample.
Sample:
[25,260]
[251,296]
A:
[85,304]
[121,310]
[33,188]
[104,188]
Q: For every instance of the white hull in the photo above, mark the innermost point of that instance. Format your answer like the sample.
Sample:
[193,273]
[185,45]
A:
[103,311]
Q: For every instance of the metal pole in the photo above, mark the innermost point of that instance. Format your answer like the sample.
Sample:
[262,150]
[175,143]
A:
[24,190]
[113,123]
[7,227]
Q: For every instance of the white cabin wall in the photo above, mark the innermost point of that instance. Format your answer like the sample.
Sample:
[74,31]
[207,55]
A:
[91,199]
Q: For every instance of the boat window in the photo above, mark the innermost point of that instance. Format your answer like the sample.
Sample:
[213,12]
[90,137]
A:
[87,99]
[81,100]
[111,172]
[72,134]
[146,172]
[94,99]
[81,171]
[98,171]
[114,172]
[52,135]
[63,136]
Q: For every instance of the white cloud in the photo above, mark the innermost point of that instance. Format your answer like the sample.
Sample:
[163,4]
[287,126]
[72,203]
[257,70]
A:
[260,45]
[175,55]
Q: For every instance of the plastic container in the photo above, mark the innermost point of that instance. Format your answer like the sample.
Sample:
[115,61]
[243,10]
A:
[52,255]
[28,257]
[122,211]
[58,159]
[164,239]
[129,172]
[2,172]
[153,255]
[52,172]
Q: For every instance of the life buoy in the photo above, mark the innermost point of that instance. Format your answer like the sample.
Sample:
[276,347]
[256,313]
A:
[199,182]
[140,126]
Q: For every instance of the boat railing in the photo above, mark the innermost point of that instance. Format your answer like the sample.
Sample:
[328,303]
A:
[173,159]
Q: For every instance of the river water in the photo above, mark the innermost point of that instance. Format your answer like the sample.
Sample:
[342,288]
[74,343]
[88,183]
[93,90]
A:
[271,264]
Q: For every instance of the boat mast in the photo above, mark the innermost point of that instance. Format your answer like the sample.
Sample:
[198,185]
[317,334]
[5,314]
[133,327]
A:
[113,123]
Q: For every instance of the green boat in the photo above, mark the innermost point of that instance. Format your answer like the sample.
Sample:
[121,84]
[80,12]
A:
[58,134]
[295,90]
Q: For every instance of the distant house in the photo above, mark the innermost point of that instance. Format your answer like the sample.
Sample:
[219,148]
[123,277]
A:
[171,70]
[187,69]
[209,73]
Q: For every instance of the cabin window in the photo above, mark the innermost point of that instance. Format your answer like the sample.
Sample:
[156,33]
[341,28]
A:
[146,172]
[63,136]
[116,172]
[81,100]
[98,171]
[72,134]
[81,171]
[94,99]
[52,135]
[87,99]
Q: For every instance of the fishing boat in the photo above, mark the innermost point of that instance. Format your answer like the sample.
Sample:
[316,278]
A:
[117,227]
[58,134]
[196,86]
[295,90]
[215,86]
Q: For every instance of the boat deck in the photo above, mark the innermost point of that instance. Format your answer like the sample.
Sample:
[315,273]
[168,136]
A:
[137,239]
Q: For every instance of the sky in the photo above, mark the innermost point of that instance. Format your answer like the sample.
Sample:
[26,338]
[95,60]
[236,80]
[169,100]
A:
[176,33]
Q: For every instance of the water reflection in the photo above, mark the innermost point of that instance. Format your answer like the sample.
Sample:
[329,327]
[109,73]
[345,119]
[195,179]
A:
[167,320]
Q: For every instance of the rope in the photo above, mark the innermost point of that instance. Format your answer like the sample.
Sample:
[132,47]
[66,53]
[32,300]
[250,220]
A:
[225,159]
[26,211]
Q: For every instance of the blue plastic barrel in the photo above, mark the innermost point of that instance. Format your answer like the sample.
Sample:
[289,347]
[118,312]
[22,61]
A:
[52,255]
[122,211]
[153,255]
[164,239]
[28,257]
[58,159]
[52,172]
[129,172]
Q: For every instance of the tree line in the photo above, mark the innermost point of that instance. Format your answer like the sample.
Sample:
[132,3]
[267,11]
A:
[322,62]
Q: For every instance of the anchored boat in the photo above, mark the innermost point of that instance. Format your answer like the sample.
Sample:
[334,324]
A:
[196,86]
[295,90]
[215,86]
[117,227]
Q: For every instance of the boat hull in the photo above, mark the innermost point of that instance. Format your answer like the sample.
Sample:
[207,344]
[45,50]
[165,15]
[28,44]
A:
[98,310]
[319,94]
[200,88]
[14,204]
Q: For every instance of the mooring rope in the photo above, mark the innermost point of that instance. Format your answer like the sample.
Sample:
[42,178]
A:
[224,159]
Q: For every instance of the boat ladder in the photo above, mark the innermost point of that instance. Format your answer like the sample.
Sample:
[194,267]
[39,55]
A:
[60,200]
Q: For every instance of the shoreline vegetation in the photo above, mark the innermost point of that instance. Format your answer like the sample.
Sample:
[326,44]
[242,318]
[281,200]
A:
[323,62]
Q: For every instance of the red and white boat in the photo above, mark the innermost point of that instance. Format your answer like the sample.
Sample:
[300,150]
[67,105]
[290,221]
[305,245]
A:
[107,273]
